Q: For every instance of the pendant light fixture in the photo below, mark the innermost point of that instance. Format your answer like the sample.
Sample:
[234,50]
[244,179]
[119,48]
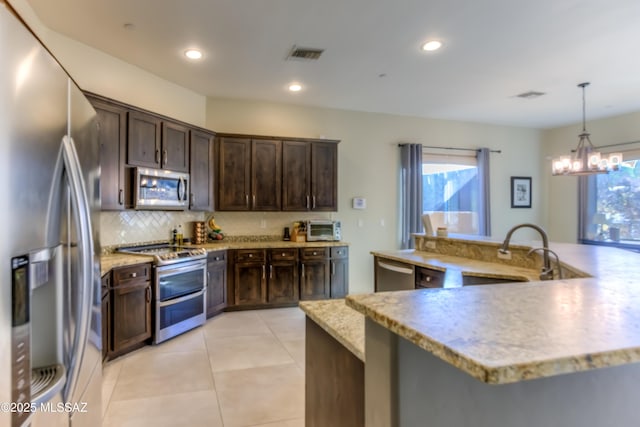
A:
[585,160]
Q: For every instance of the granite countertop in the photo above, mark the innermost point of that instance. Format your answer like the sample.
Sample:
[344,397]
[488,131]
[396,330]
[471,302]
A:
[455,267]
[107,262]
[341,322]
[504,333]
[269,244]
[116,259]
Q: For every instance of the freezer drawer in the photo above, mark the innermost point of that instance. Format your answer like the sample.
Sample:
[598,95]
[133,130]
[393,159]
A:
[393,275]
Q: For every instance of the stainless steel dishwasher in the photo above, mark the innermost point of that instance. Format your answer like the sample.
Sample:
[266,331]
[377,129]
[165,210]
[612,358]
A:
[394,275]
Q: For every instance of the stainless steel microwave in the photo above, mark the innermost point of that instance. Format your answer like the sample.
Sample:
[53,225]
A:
[160,189]
[323,230]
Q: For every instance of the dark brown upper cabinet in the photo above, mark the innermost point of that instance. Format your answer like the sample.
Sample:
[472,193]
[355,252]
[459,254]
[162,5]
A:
[250,174]
[155,143]
[310,176]
[201,171]
[112,136]
[144,142]
[175,147]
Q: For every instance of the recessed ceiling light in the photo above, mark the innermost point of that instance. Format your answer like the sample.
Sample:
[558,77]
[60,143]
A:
[431,45]
[295,87]
[193,54]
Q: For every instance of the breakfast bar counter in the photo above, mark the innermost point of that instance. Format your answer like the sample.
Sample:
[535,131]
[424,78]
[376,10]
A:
[525,355]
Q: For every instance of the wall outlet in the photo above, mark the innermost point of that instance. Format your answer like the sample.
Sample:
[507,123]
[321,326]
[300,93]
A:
[503,255]
[263,223]
[382,223]
[431,244]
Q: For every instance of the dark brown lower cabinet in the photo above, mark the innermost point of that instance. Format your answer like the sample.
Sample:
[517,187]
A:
[216,282]
[106,315]
[283,276]
[334,383]
[250,284]
[130,308]
[339,272]
[314,273]
[282,284]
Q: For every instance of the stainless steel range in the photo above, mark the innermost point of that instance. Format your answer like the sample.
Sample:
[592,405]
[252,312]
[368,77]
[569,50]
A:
[179,290]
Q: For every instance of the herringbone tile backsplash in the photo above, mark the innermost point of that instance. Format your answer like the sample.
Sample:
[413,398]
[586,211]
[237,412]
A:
[128,227]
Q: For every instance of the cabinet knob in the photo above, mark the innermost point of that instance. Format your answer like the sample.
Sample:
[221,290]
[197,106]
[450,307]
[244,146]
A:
[250,255]
[428,279]
[133,275]
[315,253]
[217,258]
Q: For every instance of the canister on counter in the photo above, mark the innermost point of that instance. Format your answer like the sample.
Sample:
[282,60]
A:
[199,233]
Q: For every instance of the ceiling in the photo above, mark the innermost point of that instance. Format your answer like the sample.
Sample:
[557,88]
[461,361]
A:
[492,50]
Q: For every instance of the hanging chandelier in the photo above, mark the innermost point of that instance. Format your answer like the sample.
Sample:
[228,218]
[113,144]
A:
[585,160]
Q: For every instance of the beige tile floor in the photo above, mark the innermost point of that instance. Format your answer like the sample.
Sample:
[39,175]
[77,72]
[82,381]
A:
[241,369]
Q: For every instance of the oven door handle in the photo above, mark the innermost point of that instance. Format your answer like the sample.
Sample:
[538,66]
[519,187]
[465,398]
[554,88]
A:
[181,299]
[171,270]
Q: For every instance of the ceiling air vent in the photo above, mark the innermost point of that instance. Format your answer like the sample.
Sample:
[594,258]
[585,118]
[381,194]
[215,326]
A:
[530,95]
[305,53]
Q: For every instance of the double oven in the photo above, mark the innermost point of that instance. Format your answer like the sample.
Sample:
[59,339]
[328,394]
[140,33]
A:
[179,288]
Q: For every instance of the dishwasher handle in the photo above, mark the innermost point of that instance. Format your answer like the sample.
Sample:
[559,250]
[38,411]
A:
[395,268]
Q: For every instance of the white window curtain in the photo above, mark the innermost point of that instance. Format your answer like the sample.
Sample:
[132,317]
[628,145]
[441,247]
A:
[410,193]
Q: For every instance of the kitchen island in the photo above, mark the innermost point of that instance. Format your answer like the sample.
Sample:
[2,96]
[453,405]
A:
[507,355]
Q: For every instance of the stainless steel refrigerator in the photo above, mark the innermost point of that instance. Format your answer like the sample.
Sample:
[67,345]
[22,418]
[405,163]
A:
[50,330]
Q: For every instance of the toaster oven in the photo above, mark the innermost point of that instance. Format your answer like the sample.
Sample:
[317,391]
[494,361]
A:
[323,230]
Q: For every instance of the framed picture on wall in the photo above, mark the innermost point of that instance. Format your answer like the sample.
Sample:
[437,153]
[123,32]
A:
[520,191]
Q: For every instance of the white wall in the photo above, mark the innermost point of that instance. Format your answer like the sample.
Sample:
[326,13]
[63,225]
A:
[562,191]
[368,164]
[98,72]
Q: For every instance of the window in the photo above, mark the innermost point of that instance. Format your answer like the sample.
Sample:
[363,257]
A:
[611,206]
[451,192]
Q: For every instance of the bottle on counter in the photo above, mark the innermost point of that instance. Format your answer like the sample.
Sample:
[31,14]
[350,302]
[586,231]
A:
[174,236]
[180,236]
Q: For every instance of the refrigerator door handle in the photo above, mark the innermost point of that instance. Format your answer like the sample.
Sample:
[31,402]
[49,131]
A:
[69,160]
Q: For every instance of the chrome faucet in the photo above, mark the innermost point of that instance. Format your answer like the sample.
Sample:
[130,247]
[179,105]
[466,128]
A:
[547,272]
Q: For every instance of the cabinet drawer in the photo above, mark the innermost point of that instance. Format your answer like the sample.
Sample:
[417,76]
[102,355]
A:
[250,255]
[288,254]
[314,253]
[429,278]
[339,252]
[138,272]
[217,256]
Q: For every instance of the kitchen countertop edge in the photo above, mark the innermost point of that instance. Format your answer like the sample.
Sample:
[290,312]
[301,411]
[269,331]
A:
[340,321]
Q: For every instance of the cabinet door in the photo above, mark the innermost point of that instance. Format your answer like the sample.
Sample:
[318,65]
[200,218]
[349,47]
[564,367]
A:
[175,147]
[112,135]
[283,282]
[131,315]
[234,168]
[216,282]
[201,171]
[314,280]
[296,176]
[106,322]
[266,175]
[339,278]
[324,176]
[250,283]
[143,145]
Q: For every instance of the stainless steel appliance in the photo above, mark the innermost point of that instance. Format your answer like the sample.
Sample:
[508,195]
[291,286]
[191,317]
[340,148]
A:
[160,189]
[394,276]
[50,363]
[323,230]
[180,288]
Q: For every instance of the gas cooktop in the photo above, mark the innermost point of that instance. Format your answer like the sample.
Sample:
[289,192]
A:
[166,253]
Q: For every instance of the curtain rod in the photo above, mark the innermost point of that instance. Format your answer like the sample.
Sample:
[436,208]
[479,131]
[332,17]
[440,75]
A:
[455,148]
